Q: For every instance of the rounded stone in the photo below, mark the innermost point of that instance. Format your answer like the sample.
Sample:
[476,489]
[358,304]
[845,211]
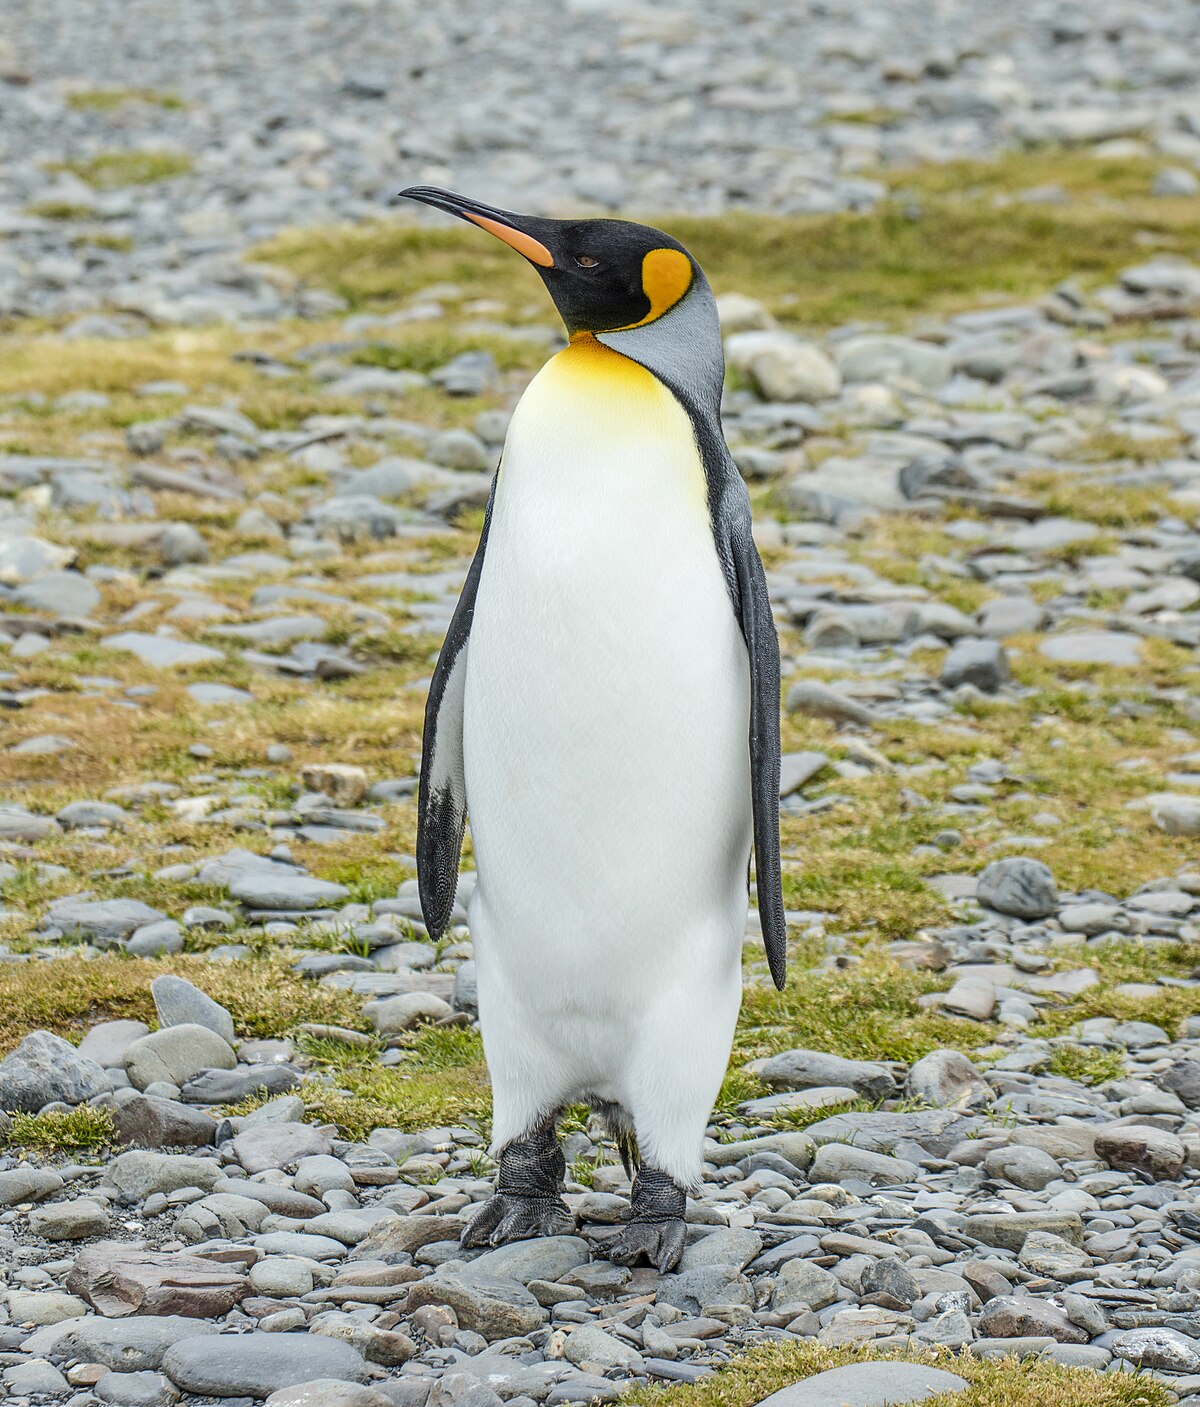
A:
[1018,886]
[328,1392]
[176,1055]
[982,663]
[258,1364]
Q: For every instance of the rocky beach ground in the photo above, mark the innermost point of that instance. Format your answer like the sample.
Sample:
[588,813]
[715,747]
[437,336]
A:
[247,424]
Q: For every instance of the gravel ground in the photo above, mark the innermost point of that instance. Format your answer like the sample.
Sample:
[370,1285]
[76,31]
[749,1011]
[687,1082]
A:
[235,515]
[291,113]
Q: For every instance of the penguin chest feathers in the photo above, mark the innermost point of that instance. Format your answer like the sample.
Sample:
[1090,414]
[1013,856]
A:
[597,432]
[601,542]
[607,687]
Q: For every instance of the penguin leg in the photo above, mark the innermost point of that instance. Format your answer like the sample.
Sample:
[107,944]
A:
[527,1201]
[655,1230]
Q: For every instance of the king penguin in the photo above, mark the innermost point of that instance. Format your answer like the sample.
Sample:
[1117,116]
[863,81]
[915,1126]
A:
[606,709]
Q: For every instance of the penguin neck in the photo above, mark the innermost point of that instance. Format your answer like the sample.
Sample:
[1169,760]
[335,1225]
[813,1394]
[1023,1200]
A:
[591,381]
[682,349]
[611,370]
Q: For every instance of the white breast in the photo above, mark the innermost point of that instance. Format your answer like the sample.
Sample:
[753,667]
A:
[606,712]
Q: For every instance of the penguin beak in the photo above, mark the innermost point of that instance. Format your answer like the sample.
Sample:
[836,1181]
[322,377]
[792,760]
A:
[514,230]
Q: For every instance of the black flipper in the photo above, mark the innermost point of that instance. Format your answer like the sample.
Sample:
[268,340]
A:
[732,528]
[442,805]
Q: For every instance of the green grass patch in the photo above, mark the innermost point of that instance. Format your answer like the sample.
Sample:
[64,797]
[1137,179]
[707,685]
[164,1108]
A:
[60,1131]
[1169,1009]
[1078,174]
[61,210]
[583,1170]
[70,994]
[863,117]
[1088,1065]
[110,170]
[98,239]
[110,99]
[442,1080]
[861,887]
[797,1120]
[867,1011]
[1003,1382]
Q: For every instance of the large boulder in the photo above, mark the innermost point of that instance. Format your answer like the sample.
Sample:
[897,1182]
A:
[1018,886]
[45,1069]
[258,1364]
[176,1055]
[117,1281]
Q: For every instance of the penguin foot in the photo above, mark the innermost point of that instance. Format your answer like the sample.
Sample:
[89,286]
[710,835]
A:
[508,1217]
[656,1229]
[527,1201]
[660,1243]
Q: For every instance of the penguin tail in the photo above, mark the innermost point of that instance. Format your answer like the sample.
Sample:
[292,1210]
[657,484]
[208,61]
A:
[628,1148]
[619,1126]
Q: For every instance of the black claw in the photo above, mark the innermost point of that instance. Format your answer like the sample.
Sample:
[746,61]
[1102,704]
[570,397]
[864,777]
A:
[507,1217]
[660,1243]
[656,1229]
[527,1201]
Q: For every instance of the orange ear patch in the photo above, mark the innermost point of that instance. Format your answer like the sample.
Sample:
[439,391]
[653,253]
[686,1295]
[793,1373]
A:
[666,277]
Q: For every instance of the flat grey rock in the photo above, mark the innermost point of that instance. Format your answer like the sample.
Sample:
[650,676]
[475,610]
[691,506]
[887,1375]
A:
[1113,647]
[258,1364]
[162,651]
[62,593]
[129,1345]
[219,695]
[102,920]
[263,889]
[179,1002]
[546,1258]
[888,1384]
[935,1130]
[277,1145]
[814,1069]
[230,1086]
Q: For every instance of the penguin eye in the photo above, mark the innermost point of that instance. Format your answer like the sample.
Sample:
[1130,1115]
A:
[585,261]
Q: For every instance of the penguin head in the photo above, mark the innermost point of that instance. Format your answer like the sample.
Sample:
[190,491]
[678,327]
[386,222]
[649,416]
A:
[605,276]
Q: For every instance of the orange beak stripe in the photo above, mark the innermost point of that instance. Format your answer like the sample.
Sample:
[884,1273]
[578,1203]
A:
[532,249]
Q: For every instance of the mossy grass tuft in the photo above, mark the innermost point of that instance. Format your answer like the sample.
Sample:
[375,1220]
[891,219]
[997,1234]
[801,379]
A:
[62,1130]
[111,99]
[69,994]
[997,1382]
[1087,1065]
